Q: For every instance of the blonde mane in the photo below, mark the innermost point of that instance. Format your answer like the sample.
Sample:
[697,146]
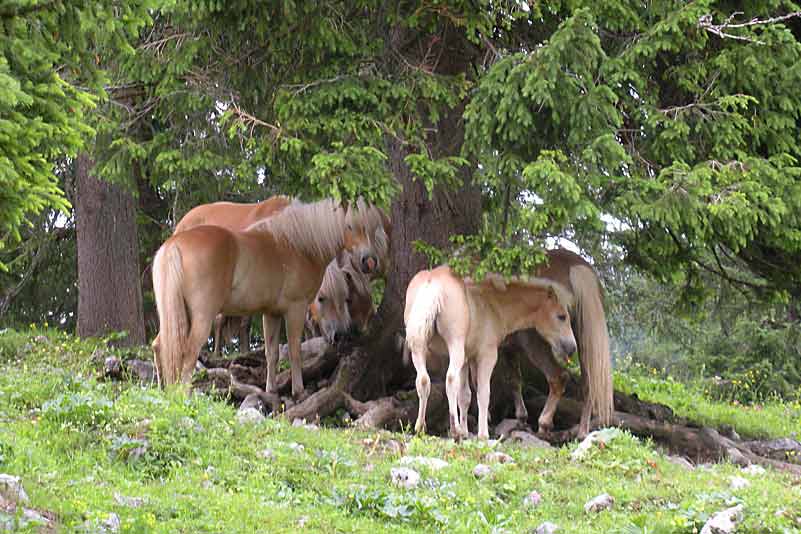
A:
[372,218]
[334,285]
[315,228]
[360,280]
[501,283]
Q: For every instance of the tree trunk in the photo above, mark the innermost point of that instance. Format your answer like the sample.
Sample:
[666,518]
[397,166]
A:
[109,289]
[416,215]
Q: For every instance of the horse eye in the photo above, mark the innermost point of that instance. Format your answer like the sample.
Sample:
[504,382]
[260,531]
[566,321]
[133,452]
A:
[320,299]
[562,317]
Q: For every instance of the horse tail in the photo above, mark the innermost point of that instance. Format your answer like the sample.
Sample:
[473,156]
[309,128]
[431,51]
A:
[593,341]
[422,318]
[173,320]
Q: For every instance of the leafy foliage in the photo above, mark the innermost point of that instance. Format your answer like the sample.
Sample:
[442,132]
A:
[49,82]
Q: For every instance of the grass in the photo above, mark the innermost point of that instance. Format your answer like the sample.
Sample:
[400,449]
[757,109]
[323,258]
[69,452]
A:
[771,419]
[81,446]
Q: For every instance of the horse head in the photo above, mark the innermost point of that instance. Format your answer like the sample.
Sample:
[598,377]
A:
[552,322]
[329,309]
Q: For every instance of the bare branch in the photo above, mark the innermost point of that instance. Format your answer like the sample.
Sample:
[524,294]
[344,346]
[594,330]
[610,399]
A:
[705,22]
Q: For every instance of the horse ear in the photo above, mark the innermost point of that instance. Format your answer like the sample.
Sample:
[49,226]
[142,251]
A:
[342,257]
[552,293]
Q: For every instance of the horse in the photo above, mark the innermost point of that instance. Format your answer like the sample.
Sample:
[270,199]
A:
[238,216]
[329,313]
[467,320]
[343,304]
[589,322]
[275,267]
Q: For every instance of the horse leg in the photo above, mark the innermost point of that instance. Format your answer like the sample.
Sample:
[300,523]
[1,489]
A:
[486,363]
[198,336]
[272,327]
[453,386]
[244,335]
[516,383]
[157,360]
[557,377]
[423,383]
[464,398]
[218,324]
[295,318]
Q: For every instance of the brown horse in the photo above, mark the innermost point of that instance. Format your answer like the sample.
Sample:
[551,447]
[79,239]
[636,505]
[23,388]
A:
[273,267]
[345,291]
[237,216]
[447,315]
[329,313]
[589,322]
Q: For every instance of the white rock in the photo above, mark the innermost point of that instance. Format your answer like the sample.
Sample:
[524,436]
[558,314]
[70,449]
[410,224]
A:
[737,483]
[297,447]
[267,454]
[681,461]
[547,528]
[405,477]
[298,422]
[130,502]
[724,522]
[435,464]
[599,436]
[498,457]
[111,523]
[481,470]
[249,416]
[599,503]
[11,489]
[754,469]
[532,500]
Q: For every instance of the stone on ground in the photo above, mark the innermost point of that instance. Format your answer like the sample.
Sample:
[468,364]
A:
[599,503]
[724,522]
[405,477]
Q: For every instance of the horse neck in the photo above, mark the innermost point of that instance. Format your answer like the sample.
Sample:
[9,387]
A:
[513,305]
[306,229]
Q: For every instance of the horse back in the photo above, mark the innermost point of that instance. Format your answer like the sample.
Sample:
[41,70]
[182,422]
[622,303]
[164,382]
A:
[231,215]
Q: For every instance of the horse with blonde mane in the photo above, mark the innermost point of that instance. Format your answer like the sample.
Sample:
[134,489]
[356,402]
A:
[467,321]
[238,216]
[589,322]
[275,267]
[344,303]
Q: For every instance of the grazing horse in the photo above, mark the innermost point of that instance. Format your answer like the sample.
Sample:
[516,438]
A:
[467,320]
[236,216]
[274,267]
[329,313]
[343,304]
[589,322]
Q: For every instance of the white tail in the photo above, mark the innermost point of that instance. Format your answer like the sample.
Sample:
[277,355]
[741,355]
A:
[170,344]
[593,342]
[423,317]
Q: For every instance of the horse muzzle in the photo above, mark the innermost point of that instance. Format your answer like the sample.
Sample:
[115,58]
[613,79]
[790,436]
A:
[564,348]
[369,264]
